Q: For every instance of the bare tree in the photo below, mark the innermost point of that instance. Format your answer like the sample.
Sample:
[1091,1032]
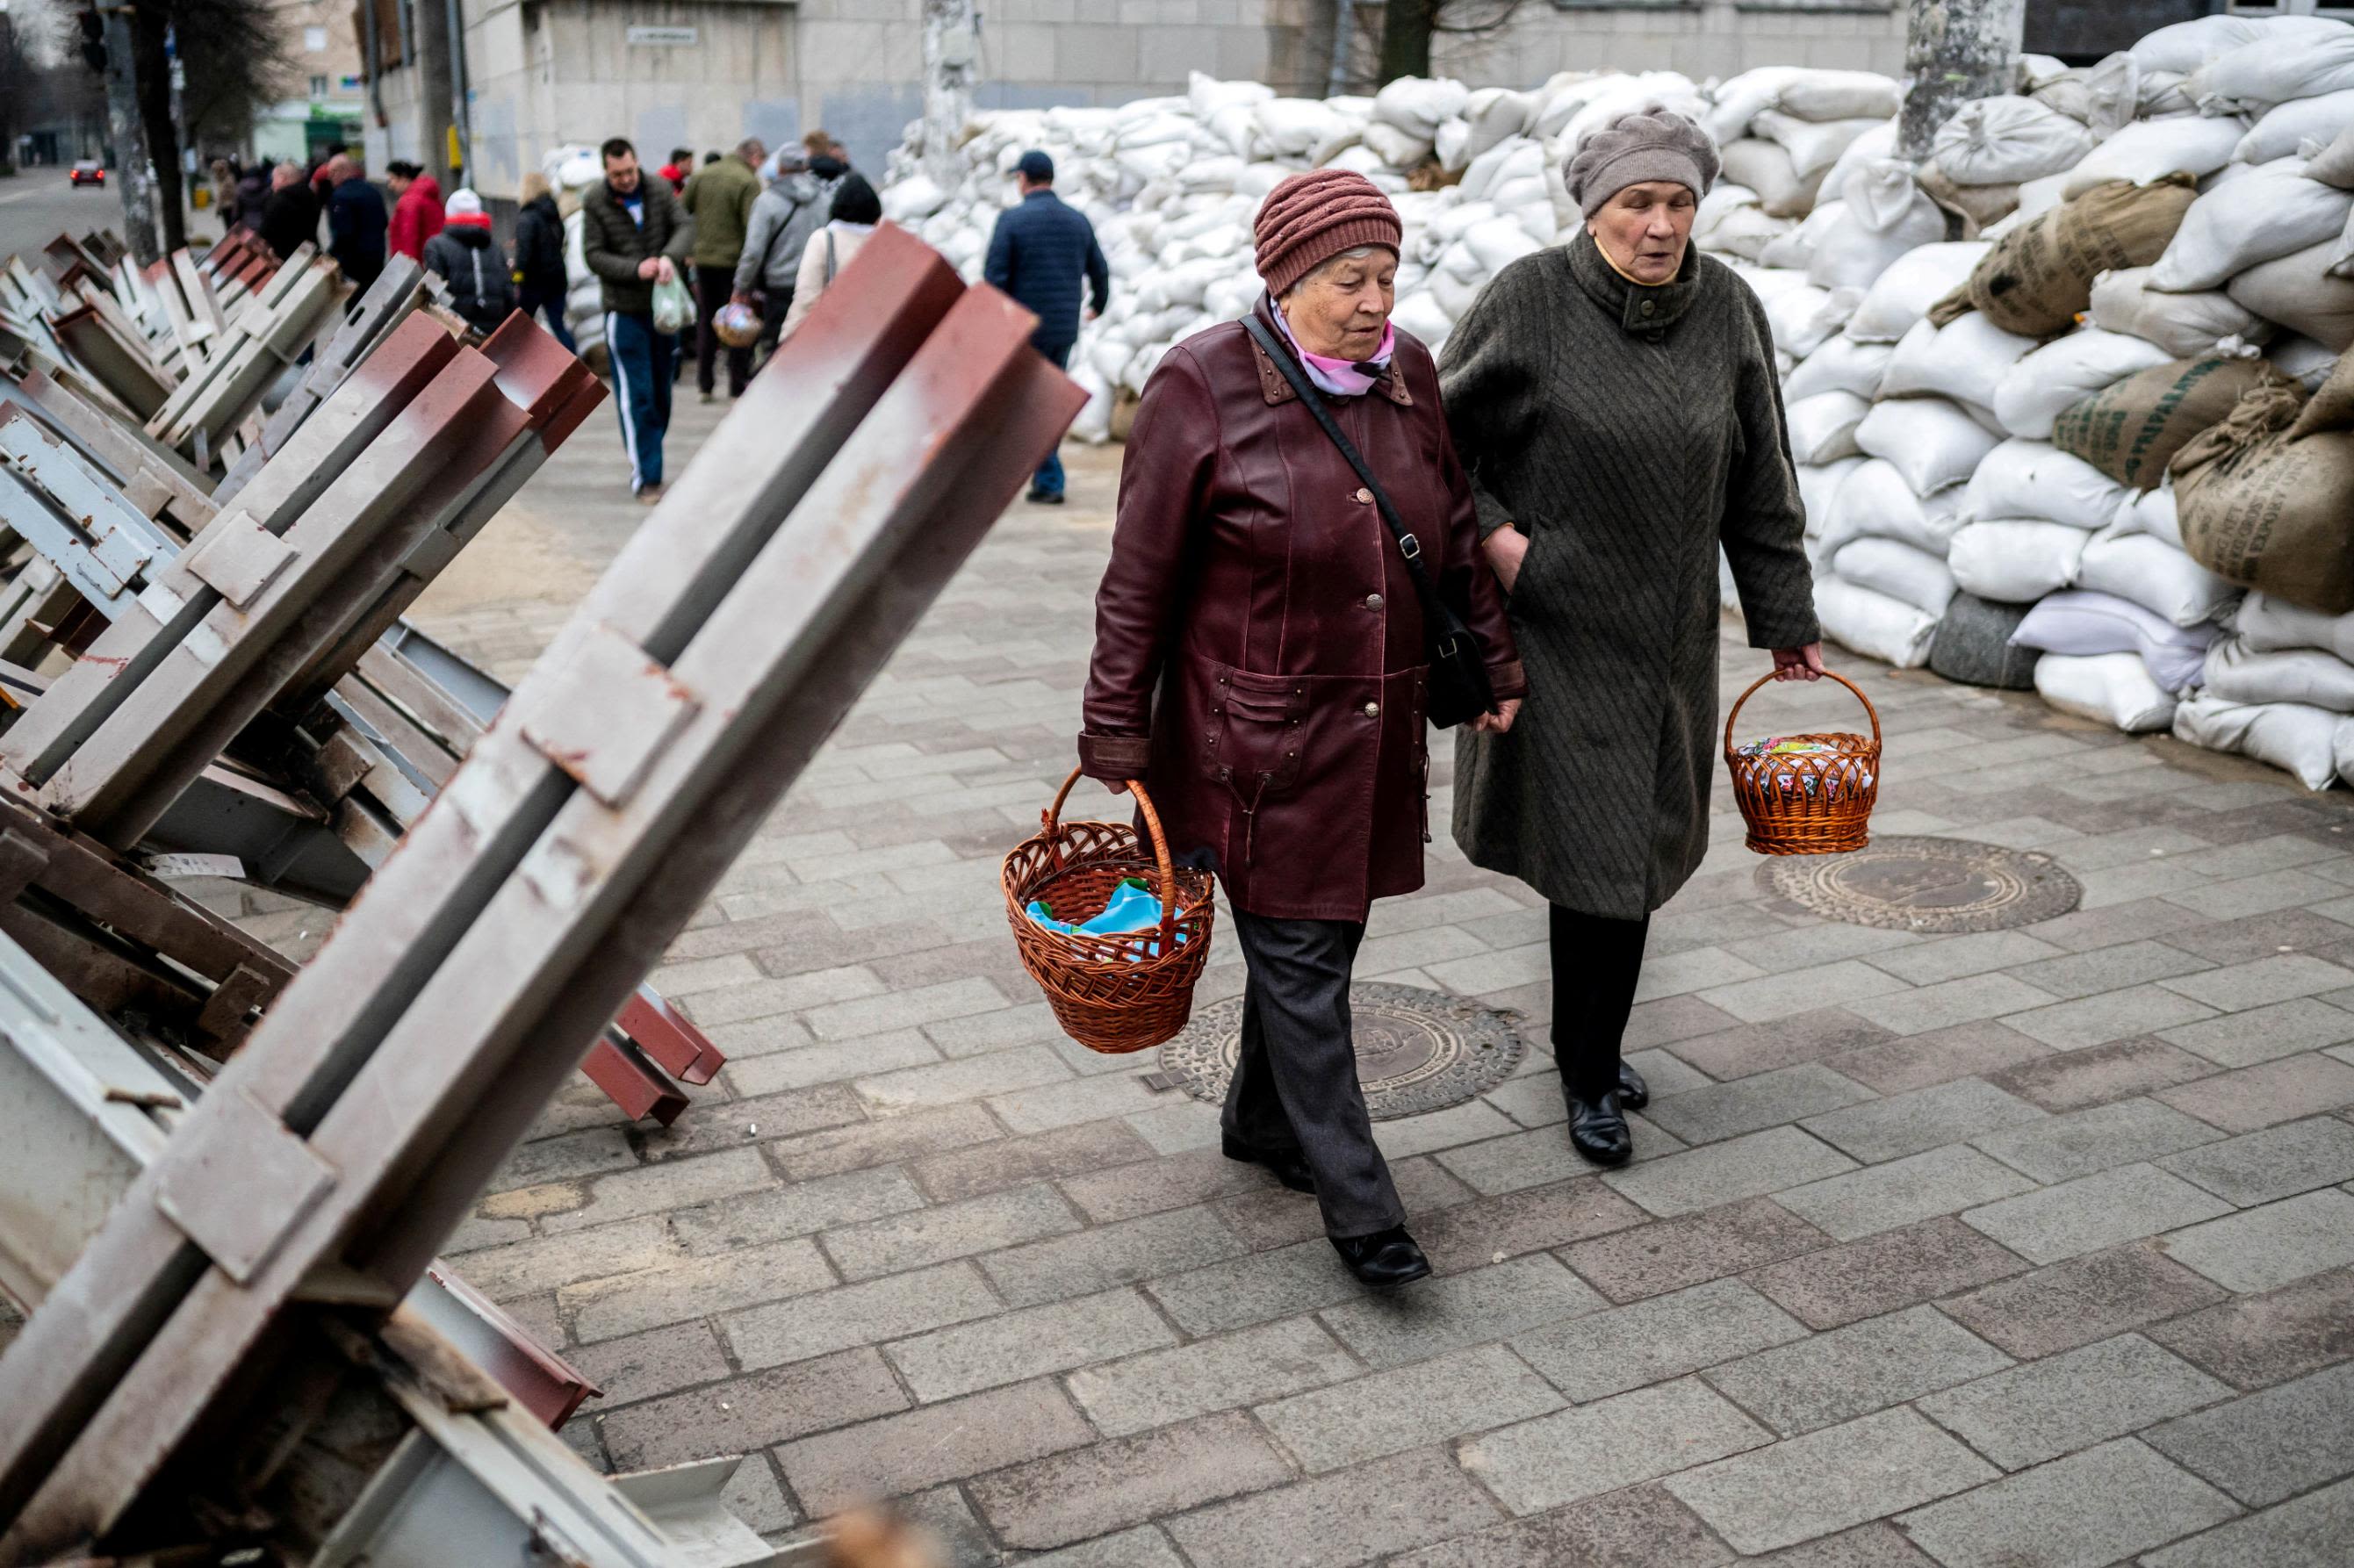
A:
[232,54]
[1409,27]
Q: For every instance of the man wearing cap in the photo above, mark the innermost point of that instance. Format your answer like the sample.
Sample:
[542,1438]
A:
[1041,250]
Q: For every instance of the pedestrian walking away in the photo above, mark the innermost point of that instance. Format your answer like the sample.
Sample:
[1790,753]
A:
[793,207]
[1259,663]
[290,215]
[633,236]
[856,210]
[541,278]
[681,165]
[481,288]
[417,211]
[720,198]
[1615,401]
[356,221]
[1040,253]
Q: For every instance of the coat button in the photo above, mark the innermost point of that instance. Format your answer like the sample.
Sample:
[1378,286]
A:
[1364,494]
[1373,710]
[1650,307]
[1373,602]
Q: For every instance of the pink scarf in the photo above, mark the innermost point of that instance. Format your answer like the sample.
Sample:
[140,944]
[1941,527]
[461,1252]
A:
[1339,377]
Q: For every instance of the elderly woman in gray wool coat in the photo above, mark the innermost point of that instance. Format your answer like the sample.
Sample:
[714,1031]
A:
[1615,403]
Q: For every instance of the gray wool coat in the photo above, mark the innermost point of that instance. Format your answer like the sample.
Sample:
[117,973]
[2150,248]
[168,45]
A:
[1628,431]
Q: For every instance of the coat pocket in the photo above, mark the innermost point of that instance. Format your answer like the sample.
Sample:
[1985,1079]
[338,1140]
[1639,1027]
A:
[1255,732]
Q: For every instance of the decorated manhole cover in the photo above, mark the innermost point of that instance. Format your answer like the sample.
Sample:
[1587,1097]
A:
[1926,884]
[1417,1050]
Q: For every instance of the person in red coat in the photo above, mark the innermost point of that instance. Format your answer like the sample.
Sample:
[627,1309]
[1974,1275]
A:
[417,214]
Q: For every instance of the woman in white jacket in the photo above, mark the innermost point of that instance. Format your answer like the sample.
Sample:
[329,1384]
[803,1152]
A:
[856,211]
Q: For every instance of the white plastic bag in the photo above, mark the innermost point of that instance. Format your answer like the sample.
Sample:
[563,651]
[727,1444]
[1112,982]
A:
[2158,576]
[1876,501]
[2016,562]
[1965,361]
[673,307]
[2090,623]
[2054,378]
[2113,689]
[1932,444]
[2007,141]
[1873,624]
[2184,325]
[2234,672]
[1822,427]
[1903,293]
[2269,212]
[2022,479]
[2149,150]
[1840,364]
[2300,740]
[1888,566]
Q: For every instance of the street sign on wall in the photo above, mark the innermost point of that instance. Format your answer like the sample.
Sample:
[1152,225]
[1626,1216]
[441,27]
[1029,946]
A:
[662,37]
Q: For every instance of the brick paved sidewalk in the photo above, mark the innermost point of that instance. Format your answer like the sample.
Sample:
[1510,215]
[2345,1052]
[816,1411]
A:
[2032,1248]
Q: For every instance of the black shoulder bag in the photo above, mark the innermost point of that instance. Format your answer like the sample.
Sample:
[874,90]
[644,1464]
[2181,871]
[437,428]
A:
[1459,690]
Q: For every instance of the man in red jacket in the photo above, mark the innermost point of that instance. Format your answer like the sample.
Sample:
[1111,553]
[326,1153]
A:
[417,214]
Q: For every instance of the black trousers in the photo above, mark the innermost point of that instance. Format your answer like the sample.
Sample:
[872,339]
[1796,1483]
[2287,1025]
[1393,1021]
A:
[714,286]
[1595,963]
[1296,1084]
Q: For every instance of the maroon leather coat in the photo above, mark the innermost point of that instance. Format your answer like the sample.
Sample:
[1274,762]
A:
[1259,657]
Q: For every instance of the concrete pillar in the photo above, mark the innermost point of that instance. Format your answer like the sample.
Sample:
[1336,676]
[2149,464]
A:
[1956,50]
[951,65]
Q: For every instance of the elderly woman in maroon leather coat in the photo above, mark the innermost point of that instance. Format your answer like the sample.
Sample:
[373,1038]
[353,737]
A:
[1259,663]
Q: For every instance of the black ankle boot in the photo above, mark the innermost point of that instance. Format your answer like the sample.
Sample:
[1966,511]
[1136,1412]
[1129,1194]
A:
[1385,1257]
[1633,1093]
[1290,1167]
[1597,1130]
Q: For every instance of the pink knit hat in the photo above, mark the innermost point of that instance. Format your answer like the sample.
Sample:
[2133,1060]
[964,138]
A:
[1311,217]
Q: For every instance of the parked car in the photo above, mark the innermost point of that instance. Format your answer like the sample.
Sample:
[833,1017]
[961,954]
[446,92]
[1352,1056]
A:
[87,171]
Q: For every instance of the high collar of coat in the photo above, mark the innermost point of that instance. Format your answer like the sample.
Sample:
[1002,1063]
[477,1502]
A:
[1638,308]
[1277,388]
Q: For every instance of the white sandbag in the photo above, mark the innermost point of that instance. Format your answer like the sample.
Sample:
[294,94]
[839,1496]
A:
[1822,427]
[1746,231]
[1795,250]
[2332,163]
[1964,361]
[1765,167]
[2149,150]
[1874,146]
[2015,562]
[2155,575]
[2184,47]
[2234,672]
[1854,254]
[2184,325]
[1399,149]
[1932,444]
[2008,140]
[1907,575]
[2152,511]
[2300,740]
[2302,360]
[1814,147]
[1770,283]
[1092,424]
[1873,624]
[2087,624]
[906,201]
[2035,478]
[2113,689]
[2103,98]
[1495,114]
[2283,130]
[1452,145]
[2047,383]
[1498,243]
[1840,364]
[1294,127]
[1420,104]
[2269,212]
[1818,488]
[1419,316]
[2258,75]
[1875,502]
[2298,292]
[1903,293]
[1802,93]
[1803,319]
[1617,94]
[2268,624]
[1206,94]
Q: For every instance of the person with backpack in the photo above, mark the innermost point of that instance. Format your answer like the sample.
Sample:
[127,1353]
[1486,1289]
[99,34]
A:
[541,278]
[788,212]
[417,211]
[464,257]
[856,210]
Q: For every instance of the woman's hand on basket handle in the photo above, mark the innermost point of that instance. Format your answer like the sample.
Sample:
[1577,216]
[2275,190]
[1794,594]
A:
[1798,663]
[1500,721]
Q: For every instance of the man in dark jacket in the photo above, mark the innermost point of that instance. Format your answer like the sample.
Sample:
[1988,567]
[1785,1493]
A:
[355,222]
[289,214]
[463,256]
[542,280]
[633,236]
[1038,254]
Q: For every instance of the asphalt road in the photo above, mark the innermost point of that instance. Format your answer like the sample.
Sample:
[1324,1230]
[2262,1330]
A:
[38,205]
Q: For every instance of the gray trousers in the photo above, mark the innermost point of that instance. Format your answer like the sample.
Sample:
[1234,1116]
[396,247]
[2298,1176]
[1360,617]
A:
[1296,1085]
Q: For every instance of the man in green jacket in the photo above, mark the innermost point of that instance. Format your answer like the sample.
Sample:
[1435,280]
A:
[634,236]
[719,198]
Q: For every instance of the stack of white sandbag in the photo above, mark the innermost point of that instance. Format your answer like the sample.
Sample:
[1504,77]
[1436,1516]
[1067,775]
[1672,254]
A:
[2280,689]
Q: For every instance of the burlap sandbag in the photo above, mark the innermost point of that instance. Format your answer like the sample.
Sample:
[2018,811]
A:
[2131,429]
[2266,498]
[2038,277]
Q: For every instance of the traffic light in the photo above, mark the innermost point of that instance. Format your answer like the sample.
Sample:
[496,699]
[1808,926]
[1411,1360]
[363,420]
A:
[93,40]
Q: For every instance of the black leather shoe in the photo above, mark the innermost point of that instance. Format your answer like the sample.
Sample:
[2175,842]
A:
[1385,1257]
[1290,1167]
[1045,498]
[1599,1132]
[1633,1093]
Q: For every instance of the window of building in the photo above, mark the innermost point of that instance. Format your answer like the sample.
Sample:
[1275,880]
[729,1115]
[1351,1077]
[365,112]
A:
[318,87]
[314,40]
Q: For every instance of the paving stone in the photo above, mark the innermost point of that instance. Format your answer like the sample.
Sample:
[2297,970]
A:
[2238,987]
[546,1263]
[1143,1547]
[1641,1527]
[2111,925]
[1266,1362]
[2045,1409]
[2071,1080]
[1471,1234]
[803,1066]
[2086,1510]
[2081,1143]
[2266,1247]
[642,1366]
[1680,974]
[1927,1118]
[1278,1216]
[751,1412]
[924,1236]
[1738,1167]
[588,1152]
[1612,1443]
[1253,1288]
[2310,1531]
[1881,1273]
[694,1287]
[1829,1480]
[900,1454]
[771,1120]
[2081,1301]
[2278,1162]
[1833,1377]
[1671,1018]
[2264,1033]
[2098,969]
[1748,1048]
[2112,1015]
[1949,1003]
[1111,1254]
[1470,1122]
[1748,1104]
[1514,1163]
[1943,958]
[1667,1074]
[800,1208]
[960,1079]
[1668,1255]
[1874,1545]
[755,1495]
[2253,1341]
[1389,1412]
[1649,1341]
[1802,990]
[904,1009]
[1173,1181]
[1031,1342]
[2266,1094]
[1440,1314]
[1896,1066]
[882,1142]
[1067,1104]
[1015,1161]
[1122,1481]
[1918,1187]
[2094,1212]
[1352,1516]
[888,1309]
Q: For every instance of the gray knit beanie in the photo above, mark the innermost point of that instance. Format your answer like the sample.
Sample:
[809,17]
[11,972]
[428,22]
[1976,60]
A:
[1652,143]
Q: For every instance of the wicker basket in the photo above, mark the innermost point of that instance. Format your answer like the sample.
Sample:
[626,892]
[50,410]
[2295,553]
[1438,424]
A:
[1110,993]
[1817,803]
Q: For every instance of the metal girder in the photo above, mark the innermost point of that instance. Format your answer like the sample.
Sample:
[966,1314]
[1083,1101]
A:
[57,502]
[152,478]
[412,1054]
[123,367]
[245,357]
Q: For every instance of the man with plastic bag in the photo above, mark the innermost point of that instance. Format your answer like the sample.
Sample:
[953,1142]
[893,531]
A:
[635,236]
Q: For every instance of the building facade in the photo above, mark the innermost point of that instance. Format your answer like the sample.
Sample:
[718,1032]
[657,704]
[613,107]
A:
[323,51]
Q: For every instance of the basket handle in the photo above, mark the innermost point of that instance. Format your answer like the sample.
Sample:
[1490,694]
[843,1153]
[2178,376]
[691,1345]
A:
[1869,711]
[1160,847]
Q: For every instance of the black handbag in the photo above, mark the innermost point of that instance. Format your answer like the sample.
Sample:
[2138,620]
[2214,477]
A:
[1458,687]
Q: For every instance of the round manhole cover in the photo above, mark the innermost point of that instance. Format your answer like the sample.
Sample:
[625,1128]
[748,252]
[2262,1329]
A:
[1417,1050]
[1926,884]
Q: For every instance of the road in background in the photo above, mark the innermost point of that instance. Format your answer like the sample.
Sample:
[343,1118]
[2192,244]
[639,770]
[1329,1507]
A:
[39,204]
